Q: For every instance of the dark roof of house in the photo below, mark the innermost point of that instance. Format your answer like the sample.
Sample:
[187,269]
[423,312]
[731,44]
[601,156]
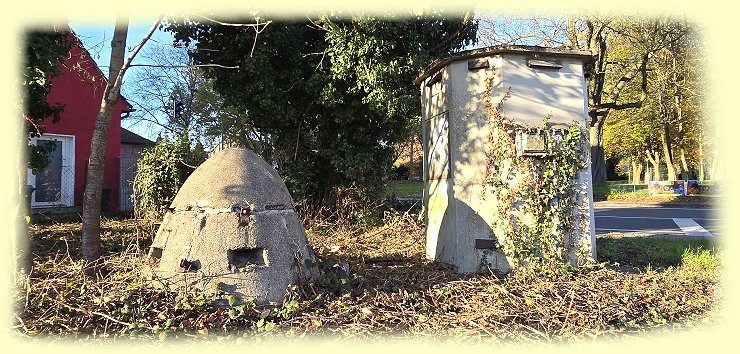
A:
[129,137]
[586,56]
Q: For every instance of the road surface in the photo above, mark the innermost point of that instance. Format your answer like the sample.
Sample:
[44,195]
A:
[693,222]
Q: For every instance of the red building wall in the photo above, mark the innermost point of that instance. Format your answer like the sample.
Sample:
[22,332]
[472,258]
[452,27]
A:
[80,89]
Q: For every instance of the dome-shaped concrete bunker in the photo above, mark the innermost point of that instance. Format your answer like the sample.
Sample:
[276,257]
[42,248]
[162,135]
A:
[232,225]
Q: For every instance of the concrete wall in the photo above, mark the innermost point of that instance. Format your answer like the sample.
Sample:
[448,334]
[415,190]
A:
[538,92]
[474,212]
[460,209]
[437,171]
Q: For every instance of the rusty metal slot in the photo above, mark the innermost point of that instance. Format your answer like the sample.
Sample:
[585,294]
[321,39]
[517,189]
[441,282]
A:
[243,212]
[544,63]
[244,257]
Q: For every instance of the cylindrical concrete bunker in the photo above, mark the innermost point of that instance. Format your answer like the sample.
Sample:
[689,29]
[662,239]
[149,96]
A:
[529,88]
[232,226]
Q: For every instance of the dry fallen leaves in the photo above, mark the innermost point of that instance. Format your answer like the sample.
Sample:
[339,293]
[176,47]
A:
[394,290]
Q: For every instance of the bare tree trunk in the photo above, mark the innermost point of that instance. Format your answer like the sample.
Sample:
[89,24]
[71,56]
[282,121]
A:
[655,162]
[684,164]
[679,115]
[701,157]
[636,177]
[96,164]
[665,140]
[647,170]
[681,135]
[598,163]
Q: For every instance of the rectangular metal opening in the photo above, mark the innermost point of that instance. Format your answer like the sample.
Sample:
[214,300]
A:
[484,243]
[244,257]
[544,63]
[188,266]
[531,143]
[475,64]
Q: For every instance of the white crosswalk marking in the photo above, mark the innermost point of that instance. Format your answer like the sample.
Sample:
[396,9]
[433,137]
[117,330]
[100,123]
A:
[691,228]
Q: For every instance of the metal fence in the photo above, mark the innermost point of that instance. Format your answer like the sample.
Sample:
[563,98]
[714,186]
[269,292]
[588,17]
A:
[52,187]
[128,173]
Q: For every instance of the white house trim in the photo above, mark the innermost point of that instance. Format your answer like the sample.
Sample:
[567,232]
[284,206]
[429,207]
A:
[67,177]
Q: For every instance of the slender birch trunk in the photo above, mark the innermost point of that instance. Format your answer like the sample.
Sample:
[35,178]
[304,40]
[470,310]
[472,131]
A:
[665,139]
[96,165]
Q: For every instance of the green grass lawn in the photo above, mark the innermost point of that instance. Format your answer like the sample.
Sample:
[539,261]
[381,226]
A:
[610,190]
[651,251]
[402,188]
[607,190]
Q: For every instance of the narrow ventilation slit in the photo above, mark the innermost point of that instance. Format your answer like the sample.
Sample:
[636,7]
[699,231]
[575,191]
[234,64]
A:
[245,257]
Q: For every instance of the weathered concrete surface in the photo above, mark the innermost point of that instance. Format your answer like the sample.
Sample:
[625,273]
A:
[233,176]
[232,226]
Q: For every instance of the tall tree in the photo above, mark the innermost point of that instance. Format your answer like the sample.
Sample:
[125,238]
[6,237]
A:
[96,164]
[669,119]
[331,95]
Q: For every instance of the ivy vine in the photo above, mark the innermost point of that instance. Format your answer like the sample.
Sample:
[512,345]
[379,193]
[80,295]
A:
[537,200]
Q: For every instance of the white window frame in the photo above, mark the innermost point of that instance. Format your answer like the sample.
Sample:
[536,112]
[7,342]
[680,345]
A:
[68,169]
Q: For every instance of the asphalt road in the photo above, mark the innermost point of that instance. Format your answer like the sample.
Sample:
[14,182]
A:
[657,220]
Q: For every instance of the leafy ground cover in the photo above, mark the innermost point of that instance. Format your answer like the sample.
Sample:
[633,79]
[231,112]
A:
[390,290]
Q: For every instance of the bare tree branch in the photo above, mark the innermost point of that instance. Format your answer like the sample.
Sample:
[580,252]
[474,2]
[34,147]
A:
[257,25]
[257,32]
[465,23]
[185,66]
[136,50]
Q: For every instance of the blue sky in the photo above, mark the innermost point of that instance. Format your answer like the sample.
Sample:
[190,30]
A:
[96,39]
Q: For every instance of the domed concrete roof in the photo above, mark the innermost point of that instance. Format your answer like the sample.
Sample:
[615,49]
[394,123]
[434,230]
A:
[233,177]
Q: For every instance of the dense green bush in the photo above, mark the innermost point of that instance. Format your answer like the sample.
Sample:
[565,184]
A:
[330,95]
[161,171]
